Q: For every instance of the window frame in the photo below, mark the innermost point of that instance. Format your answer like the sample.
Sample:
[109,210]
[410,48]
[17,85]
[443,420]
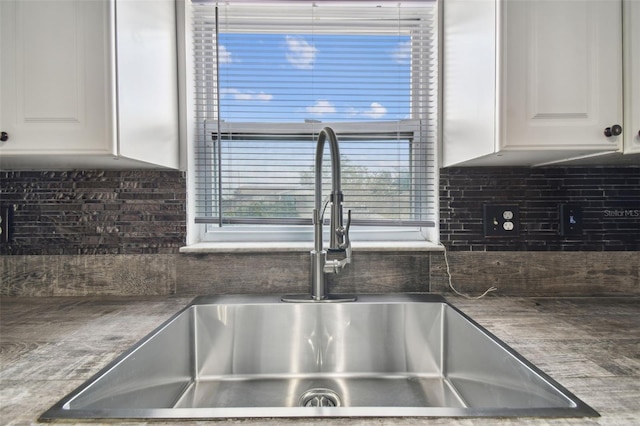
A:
[205,233]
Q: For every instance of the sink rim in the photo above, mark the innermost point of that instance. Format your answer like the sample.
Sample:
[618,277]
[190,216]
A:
[61,409]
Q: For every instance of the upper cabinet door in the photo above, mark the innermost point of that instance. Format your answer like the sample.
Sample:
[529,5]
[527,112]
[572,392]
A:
[562,74]
[54,77]
[147,81]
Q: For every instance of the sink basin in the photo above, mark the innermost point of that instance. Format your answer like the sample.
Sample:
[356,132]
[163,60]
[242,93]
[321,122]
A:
[255,356]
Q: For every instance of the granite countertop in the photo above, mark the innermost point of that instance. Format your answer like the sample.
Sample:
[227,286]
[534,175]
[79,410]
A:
[591,346]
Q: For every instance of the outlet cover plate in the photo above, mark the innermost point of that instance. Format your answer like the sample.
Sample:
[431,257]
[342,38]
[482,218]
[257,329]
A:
[501,220]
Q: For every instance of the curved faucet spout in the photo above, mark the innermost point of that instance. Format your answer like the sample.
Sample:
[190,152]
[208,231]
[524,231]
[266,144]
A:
[339,241]
[327,133]
[339,234]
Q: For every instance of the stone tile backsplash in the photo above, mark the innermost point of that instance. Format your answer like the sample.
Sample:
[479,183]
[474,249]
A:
[608,196]
[143,212]
[95,212]
[119,233]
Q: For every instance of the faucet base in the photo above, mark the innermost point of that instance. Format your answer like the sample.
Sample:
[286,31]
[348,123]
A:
[306,298]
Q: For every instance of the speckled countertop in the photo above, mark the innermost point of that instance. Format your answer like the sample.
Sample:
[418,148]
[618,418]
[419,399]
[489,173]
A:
[49,346]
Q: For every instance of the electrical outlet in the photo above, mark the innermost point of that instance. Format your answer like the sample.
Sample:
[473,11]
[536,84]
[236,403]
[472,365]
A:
[570,220]
[501,220]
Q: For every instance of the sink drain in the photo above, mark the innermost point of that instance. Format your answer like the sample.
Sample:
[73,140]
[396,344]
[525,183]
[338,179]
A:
[320,397]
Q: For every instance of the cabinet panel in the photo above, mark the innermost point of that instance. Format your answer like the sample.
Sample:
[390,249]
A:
[469,80]
[55,77]
[563,73]
[560,74]
[147,76]
[632,76]
[49,69]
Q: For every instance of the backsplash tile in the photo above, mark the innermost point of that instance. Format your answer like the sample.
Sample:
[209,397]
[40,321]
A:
[95,212]
[119,233]
[143,212]
[540,273]
[369,272]
[609,198]
[103,275]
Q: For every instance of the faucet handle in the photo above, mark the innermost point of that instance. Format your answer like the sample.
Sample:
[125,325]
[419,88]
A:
[334,266]
[344,232]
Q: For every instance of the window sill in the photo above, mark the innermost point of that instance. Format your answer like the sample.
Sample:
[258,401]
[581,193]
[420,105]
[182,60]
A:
[275,247]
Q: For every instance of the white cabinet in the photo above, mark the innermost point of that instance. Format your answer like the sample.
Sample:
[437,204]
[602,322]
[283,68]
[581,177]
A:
[530,82]
[84,83]
[631,14]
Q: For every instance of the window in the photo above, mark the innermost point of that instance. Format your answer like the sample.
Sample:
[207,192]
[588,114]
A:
[269,76]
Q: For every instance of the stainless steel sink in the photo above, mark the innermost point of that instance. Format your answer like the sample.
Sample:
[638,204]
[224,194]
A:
[254,356]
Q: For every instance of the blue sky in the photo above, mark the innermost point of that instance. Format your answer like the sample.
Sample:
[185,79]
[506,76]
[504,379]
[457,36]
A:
[341,78]
[265,82]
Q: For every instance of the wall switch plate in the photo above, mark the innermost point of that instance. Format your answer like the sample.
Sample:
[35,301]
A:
[6,217]
[570,220]
[501,220]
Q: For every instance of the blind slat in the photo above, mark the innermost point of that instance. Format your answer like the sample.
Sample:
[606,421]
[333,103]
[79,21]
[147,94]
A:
[268,79]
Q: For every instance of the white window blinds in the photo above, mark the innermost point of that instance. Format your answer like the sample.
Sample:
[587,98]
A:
[269,76]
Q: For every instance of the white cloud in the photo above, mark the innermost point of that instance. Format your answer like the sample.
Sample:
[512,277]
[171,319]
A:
[375,110]
[224,55]
[300,53]
[402,53]
[321,107]
[246,96]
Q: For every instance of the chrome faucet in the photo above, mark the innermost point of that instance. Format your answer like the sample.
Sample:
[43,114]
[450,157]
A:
[339,241]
